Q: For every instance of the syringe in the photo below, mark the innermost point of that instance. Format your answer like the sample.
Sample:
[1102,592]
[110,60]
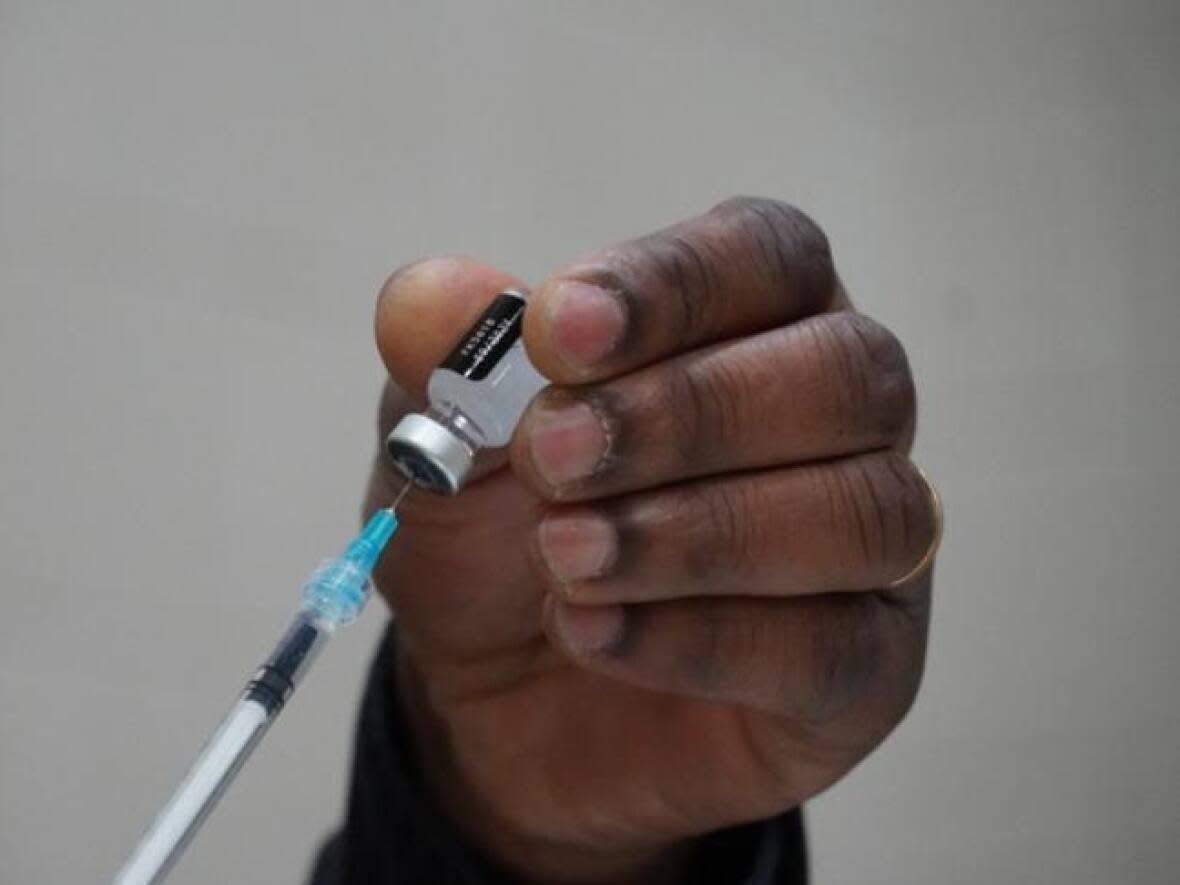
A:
[334,595]
[477,395]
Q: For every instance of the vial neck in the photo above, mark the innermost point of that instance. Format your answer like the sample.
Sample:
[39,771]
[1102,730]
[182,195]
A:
[457,422]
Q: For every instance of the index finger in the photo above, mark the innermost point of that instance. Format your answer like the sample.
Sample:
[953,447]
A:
[746,265]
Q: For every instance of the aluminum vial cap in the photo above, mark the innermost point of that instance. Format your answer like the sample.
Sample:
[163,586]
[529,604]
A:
[430,454]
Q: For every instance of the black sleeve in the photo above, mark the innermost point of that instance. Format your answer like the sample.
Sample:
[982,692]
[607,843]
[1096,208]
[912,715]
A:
[395,835]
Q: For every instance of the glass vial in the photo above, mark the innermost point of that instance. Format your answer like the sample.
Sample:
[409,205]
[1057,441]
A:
[477,394]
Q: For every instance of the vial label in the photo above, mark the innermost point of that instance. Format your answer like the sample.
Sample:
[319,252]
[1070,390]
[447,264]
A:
[489,339]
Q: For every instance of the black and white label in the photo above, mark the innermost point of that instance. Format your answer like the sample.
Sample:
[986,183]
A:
[489,339]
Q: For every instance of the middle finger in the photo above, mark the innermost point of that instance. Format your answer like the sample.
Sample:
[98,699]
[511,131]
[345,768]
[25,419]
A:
[849,524]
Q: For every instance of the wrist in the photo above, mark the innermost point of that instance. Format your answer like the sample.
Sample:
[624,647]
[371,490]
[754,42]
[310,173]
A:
[481,821]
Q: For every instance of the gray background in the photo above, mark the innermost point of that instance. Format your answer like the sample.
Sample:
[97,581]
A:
[198,201]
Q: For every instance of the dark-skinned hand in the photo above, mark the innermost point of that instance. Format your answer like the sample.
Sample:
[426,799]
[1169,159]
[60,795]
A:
[687,600]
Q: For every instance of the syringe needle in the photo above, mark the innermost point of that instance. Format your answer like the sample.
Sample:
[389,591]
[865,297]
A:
[400,495]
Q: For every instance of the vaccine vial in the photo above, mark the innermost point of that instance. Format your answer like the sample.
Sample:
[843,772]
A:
[477,394]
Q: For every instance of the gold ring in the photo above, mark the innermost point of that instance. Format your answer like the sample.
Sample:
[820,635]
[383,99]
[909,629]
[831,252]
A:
[927,557]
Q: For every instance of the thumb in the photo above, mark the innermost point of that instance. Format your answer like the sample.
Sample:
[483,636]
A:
[458,574]
[422,310]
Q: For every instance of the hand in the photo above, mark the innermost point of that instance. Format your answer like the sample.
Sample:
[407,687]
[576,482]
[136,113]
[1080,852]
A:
[688,601]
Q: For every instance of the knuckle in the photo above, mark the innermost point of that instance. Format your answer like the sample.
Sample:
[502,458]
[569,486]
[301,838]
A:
[848,653]
[906,676]
[848,514]
[878,506]
[873,374]
[897,504]
[722,513]
[794,245]
[734,642]
[686,271]
[881,346]
[918,513]
[718,642]
[668,280]
[790,222]
[702,401]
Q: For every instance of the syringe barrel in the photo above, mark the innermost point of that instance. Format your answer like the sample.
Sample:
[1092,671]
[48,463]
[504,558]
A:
[225,752]
[220,759]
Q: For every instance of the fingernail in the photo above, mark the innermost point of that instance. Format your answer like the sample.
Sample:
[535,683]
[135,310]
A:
[585,322]
[567,443]
[577,547]
[589,628]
